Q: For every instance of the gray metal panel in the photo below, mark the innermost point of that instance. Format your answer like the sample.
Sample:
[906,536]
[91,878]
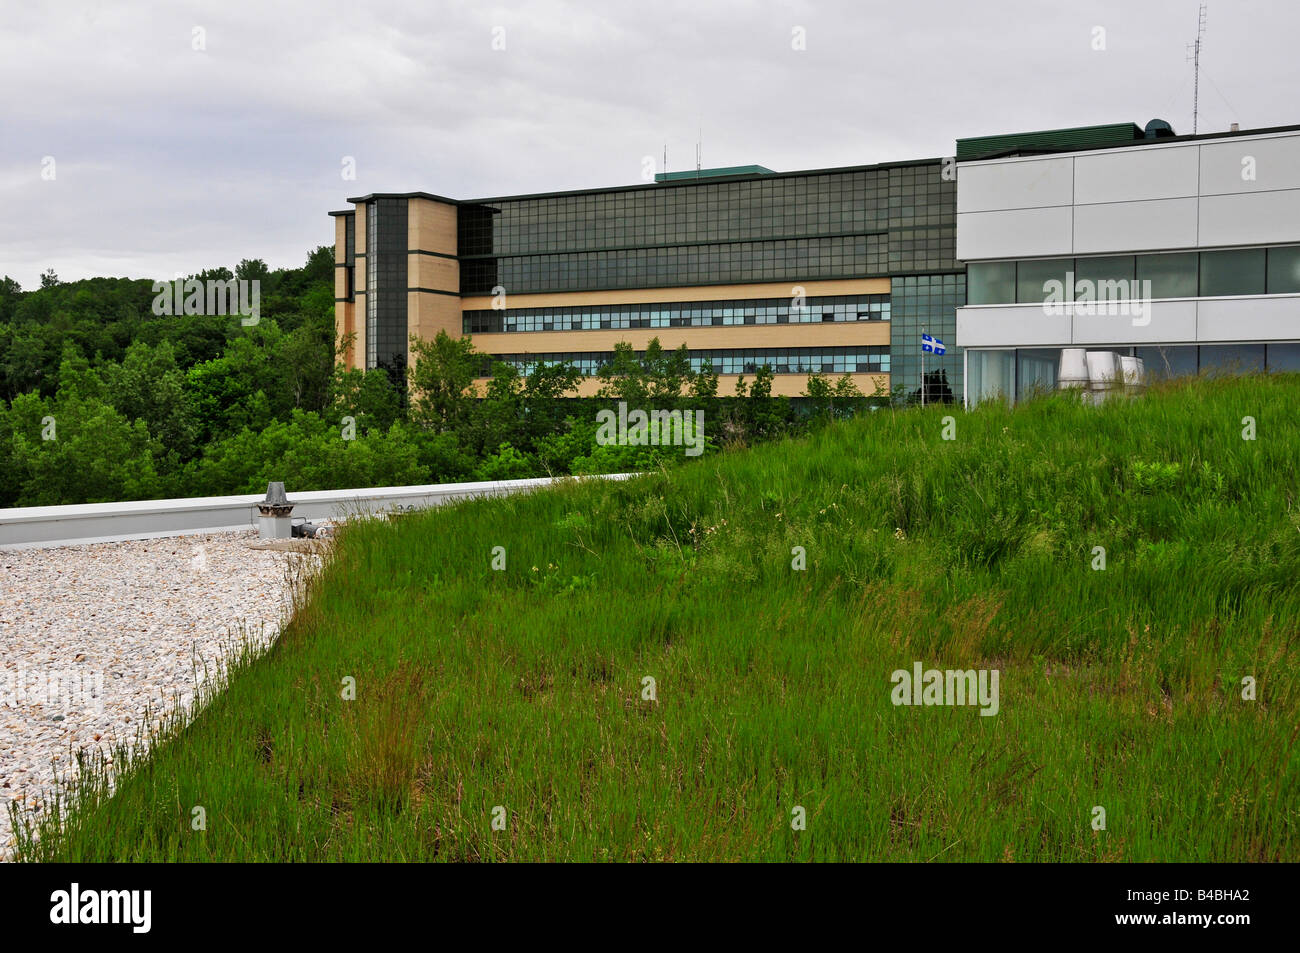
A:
[1274,163]
[1132,226]
[1027,325]
[1135,174]
[1257,218]
[1022,325]
[1023,233]
[1249,319]
[1014,183]
[1166,322]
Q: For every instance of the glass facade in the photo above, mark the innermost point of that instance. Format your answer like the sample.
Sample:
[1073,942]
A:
[386,239]
[782,360]
[1240,271]
[686,314]
[1020,373]
[852,223]
[1237,271]
[1284,270]
[926,304]
[350,256]
[793,260]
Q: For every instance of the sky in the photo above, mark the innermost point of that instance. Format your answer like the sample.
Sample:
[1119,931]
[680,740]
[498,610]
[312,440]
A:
[149,139]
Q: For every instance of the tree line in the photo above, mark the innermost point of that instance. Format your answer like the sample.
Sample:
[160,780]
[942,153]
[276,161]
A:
[105,400]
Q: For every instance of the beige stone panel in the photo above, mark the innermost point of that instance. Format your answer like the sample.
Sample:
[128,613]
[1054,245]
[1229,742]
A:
[431,226]
[359,328]
[345,323]
[836,334]
[340,240]
[427,314]
[429,271]
[359,234]
[777,289]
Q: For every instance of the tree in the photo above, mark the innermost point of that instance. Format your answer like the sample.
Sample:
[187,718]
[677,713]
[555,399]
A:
[79,450]
[148,386]
[367,397]
[624,377]
[320,266]
[829,401]
[441,381]
[704,386]
[252,269]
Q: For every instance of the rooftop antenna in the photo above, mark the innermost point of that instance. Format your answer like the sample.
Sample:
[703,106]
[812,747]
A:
[699,150]
[1194,54]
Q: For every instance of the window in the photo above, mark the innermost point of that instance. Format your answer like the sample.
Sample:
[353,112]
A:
[1171,276]
[1033,280]
[1102,276]
[1036,371]
[1237,272]
[1284,270]
[991,282]
[1168,361]
[1232,358]
[992,375]
[1284,357]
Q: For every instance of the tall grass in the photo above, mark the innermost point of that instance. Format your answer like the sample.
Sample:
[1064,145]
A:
[523,689]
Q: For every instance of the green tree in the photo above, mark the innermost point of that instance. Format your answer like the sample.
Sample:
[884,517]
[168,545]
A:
[79,450]
[441,381]
[148,386]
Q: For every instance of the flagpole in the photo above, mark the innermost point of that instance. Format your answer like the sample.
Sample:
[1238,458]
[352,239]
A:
[922,367]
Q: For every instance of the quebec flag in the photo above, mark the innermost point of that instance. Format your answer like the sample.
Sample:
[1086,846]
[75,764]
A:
[931,345]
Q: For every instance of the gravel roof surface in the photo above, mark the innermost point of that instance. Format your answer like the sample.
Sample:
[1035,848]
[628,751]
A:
[95,638]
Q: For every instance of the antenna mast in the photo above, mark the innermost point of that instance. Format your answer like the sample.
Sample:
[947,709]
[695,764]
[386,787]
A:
[1195,50]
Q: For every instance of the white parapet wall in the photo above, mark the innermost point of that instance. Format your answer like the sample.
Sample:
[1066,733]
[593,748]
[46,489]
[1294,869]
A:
[36,526]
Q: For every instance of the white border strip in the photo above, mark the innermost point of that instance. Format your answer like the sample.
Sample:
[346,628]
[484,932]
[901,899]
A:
[42,526]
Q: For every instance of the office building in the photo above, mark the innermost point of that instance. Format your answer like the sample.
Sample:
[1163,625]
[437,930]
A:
[831,271]
[1183,251]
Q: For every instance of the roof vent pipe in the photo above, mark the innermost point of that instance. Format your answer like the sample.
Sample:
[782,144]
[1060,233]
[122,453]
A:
[274,519]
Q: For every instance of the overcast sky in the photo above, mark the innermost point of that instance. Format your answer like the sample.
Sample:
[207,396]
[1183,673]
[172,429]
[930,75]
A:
[170,158]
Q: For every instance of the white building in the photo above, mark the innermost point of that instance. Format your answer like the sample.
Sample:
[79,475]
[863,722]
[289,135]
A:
[1181,251]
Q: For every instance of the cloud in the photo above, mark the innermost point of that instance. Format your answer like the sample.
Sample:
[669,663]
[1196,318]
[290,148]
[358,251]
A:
[171,157]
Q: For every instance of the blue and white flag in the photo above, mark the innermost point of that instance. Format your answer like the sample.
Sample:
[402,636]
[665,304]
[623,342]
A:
[931,345]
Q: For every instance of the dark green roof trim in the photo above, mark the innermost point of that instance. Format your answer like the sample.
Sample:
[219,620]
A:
[1140,141]
[346,211]
[1056,139]
[695,175]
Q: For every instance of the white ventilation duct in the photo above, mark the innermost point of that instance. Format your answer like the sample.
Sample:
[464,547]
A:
[1133,371]
[1073,372]
[1103,373]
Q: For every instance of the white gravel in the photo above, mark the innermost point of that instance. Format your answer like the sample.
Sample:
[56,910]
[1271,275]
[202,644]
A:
[94,638]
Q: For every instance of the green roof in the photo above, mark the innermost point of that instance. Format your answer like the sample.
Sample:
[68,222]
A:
[1050,140]
[712,173]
